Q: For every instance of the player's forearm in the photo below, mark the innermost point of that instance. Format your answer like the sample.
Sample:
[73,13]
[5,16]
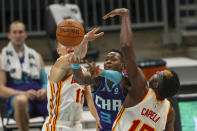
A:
[92,108]
[112,75]
[126,41]
[82,48]
[90,103]
[126,34]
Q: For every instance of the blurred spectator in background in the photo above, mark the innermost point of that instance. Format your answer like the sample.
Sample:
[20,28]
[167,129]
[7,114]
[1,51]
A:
[55,13]
[23,78]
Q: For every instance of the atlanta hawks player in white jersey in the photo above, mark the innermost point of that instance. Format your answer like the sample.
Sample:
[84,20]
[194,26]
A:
[65,96]
[145,107]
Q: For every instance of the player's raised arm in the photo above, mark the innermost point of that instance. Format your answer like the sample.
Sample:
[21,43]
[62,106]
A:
[136,76]
[90,36]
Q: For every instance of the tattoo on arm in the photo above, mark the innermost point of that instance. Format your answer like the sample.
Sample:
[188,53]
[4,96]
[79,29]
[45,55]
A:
[83,77]
[82,49]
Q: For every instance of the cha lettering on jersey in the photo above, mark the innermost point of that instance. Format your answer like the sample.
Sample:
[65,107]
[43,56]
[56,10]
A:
[108,104]
[150,114]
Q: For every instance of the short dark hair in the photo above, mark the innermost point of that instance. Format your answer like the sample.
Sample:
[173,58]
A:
[117,51]
[170,85]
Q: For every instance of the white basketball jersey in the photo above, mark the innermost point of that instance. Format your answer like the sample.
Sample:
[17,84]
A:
[149,115]
[65,101]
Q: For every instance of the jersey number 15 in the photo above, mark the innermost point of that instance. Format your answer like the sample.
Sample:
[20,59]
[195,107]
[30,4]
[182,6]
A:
[145,127]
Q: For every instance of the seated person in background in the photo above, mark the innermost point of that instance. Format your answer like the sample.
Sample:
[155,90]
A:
[23,78]
[109,84]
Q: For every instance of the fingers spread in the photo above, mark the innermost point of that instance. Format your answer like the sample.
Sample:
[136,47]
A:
[87,62]
[106,16]
[93,30]
[111,14]
[97,29]
[100,34]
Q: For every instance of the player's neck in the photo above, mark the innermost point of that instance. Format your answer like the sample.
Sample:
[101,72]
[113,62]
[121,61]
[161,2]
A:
[158,96]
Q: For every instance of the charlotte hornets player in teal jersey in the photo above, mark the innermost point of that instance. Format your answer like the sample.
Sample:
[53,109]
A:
[108,83]
[108,102]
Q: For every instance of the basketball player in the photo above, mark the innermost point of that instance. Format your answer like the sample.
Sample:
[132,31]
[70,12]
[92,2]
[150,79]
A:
[65,96]
[145,106]
[109,94]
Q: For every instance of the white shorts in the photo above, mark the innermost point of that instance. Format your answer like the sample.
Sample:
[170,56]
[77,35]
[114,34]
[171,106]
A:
[65,126]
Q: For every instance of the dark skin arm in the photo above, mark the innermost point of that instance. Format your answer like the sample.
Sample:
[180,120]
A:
[135,75]
[126,85]
[84,78]
[170,120]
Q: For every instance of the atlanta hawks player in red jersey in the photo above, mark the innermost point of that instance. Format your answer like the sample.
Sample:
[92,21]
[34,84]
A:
[65,96]
[145,107]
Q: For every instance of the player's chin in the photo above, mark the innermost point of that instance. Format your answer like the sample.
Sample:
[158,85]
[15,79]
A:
[108,68]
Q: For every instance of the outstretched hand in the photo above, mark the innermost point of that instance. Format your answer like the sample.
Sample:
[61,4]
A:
[120,11]
[94,70]
[92,35]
